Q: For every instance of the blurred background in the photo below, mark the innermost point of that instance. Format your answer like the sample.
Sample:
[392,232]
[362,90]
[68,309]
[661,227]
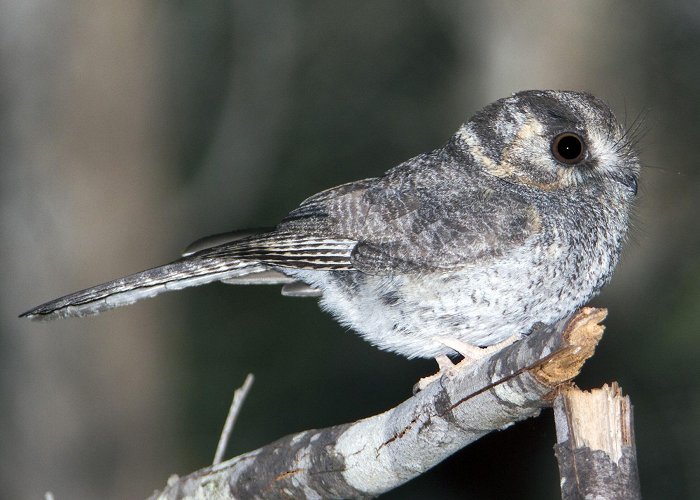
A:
[130,128]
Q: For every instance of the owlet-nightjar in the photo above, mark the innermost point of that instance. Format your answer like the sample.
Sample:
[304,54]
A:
[520,218]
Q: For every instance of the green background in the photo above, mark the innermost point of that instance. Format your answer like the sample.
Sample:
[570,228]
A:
[129,129]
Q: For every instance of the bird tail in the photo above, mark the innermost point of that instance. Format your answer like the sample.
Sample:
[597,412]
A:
[183,273]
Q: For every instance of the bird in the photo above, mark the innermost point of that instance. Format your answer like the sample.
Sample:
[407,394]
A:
[518,219]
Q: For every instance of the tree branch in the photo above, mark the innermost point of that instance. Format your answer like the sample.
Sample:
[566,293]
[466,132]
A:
[376,454]
[239,396]
[595,444]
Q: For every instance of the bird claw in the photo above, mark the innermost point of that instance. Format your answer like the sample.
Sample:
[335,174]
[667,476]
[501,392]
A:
[470,354]
[445,367]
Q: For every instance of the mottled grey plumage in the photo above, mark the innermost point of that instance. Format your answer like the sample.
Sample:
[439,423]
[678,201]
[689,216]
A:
[475,241]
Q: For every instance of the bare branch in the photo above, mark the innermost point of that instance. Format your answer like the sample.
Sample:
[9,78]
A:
[376,454]
[239,396]
[595,444]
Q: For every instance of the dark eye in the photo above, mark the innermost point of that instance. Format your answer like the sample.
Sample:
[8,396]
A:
[568,148]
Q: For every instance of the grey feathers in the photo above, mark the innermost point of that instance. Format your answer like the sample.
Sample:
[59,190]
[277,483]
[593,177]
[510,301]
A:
[246,260]
[129,289]
[519,218]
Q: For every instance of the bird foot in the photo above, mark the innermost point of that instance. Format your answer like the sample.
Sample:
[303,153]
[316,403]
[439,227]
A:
[470,354]
[444,367]
[473,353]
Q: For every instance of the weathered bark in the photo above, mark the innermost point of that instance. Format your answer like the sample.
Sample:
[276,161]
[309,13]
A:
[595,444]
[376,454]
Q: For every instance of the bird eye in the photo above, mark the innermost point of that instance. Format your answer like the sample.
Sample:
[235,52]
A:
[568,148]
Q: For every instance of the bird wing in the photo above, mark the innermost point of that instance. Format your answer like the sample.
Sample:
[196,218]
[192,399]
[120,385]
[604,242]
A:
[430,213]
[426,214]
[442,229]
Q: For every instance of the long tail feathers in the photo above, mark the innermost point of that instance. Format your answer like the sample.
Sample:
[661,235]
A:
[235,258]
[123,291]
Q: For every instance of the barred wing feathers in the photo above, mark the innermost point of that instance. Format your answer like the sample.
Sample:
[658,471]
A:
[249,257]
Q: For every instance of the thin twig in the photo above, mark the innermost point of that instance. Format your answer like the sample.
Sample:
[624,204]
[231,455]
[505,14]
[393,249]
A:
[239,396]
